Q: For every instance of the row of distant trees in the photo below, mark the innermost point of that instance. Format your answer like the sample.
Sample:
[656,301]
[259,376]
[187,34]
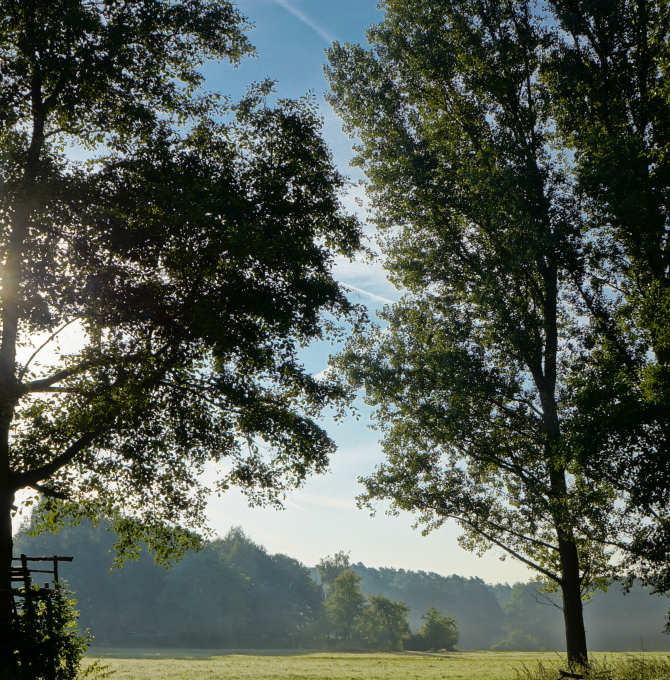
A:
[233,593]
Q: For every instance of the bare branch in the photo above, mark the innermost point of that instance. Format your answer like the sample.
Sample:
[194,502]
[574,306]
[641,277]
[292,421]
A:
[507,549]
[548,602]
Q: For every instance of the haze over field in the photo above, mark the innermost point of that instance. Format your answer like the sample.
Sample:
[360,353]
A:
[236,595]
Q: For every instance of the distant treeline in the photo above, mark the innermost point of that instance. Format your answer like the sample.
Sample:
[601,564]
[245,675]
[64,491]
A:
[234,594]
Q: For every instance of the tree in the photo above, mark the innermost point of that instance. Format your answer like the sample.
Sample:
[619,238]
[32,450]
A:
[191,255]
[478,379]
[344,605]
[384,623]
[440,631]
[609,84]
[329,568]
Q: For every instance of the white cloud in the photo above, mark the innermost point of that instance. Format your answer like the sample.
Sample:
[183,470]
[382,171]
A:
[306,20]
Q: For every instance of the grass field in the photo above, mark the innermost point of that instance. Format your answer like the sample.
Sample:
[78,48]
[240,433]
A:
[193,665]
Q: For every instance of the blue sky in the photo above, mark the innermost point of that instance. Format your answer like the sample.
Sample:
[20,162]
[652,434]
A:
[322,518]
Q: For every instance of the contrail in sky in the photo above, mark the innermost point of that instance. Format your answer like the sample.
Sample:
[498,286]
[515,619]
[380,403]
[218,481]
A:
[306,20]
[365,292]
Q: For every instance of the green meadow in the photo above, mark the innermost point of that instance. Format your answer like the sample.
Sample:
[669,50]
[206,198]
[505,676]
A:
[193,665]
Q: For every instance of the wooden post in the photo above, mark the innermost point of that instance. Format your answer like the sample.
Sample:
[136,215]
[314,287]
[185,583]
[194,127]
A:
[26,572]
[28,604]
[51,657]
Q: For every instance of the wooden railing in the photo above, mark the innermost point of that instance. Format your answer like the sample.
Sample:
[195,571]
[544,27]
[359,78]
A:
[24,573]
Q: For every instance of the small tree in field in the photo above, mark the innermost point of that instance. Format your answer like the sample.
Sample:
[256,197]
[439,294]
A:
[344,605]
[439,631]
[384,623]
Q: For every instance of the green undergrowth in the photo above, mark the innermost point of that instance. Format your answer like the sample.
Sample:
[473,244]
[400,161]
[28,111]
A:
[623,667]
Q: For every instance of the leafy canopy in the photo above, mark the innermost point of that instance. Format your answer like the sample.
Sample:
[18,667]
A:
[481,224]
[189,257]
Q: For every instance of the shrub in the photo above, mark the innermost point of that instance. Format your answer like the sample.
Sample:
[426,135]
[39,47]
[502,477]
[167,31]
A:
[50,647]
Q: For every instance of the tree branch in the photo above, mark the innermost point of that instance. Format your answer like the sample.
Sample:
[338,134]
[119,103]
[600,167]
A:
[57,390]
[41,347]
[46,491]
[523,537]
[507,549]
[32,477]
[43,384]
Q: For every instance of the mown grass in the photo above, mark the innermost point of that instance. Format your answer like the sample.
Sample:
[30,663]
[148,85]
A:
[193,665]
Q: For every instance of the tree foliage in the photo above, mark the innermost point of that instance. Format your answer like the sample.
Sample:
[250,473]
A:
[527,353]
[344,606]
[191,255]
[384,623]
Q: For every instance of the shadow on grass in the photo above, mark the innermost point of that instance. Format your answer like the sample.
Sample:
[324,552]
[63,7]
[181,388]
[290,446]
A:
[205,654]
[178,653]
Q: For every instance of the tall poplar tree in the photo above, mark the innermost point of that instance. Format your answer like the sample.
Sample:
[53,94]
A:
[190,257]
[503,145]
[610,83]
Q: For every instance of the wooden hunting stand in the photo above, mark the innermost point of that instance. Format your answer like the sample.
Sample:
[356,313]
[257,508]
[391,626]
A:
[23,573]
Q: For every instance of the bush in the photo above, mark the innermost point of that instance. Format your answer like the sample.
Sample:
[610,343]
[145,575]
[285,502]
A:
[50,647]
[440,632]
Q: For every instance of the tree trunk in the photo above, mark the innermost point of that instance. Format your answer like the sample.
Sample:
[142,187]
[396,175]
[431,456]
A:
[7,643]
[573,615]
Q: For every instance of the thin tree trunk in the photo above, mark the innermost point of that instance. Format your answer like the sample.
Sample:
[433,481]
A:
[7,643]
[571,582]
[573,614]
